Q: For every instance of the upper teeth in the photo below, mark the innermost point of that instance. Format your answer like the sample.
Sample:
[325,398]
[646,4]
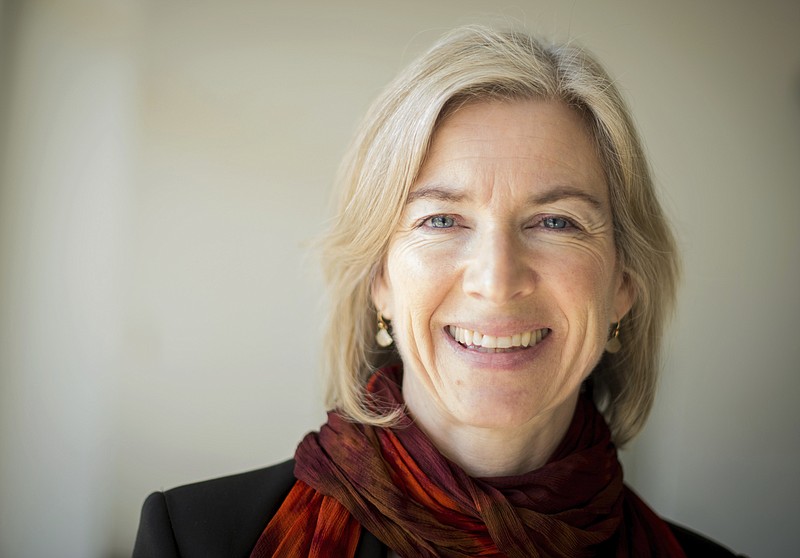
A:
[478,339]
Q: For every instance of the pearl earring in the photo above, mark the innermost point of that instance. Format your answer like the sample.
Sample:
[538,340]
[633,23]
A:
[383,337]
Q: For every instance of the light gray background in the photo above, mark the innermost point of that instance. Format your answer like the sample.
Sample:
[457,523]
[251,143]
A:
[165,163]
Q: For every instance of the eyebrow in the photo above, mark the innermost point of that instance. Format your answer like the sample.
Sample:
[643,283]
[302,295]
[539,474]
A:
[435,192]
[565,192]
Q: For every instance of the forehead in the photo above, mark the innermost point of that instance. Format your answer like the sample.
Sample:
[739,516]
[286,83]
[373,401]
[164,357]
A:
[538,141]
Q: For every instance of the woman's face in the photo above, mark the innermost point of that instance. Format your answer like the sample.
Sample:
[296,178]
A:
[501,280]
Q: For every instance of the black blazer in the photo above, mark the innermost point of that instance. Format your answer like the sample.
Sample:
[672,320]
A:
[223,518]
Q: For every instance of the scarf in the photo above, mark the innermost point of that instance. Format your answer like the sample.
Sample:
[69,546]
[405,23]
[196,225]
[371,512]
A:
[395,483]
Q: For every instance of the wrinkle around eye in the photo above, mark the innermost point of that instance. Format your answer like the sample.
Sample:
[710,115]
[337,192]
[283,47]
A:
[592,245]
[409,243]
[590,225]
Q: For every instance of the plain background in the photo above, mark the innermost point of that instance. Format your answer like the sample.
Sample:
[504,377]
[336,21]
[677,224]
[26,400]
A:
[165,164]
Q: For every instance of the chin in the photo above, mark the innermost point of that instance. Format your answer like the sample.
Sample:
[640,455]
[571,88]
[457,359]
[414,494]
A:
[498,412]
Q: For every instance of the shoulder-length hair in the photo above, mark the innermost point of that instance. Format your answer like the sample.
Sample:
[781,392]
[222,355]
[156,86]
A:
[468,65]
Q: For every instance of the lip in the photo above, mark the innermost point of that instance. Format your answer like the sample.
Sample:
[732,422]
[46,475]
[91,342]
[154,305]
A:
[497,361]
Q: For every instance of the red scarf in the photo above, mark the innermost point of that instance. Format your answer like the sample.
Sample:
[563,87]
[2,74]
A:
[394,483]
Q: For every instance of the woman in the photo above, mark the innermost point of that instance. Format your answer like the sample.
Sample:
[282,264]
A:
[500,272]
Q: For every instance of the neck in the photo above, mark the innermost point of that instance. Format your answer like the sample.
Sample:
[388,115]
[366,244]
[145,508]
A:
[496,451]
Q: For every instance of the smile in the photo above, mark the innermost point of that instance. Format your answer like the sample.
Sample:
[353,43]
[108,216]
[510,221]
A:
[490,343]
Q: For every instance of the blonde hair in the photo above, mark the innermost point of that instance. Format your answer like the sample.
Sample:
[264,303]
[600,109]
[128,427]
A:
[468,65]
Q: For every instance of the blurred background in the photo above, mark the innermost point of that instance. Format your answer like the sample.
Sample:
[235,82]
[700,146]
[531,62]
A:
[164,165]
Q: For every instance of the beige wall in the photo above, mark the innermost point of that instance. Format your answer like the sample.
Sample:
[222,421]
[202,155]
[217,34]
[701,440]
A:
[165,163]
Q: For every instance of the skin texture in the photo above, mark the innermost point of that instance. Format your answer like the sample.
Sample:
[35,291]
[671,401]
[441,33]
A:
[507,229]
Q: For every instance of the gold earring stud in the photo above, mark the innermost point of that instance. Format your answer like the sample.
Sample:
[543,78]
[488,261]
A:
[613,345]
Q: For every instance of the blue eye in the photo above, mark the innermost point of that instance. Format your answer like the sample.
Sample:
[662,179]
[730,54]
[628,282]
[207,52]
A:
[441,222]
[555,223]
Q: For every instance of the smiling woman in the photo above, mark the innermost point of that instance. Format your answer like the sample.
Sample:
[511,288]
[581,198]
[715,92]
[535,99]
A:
[497,210]
[507,233]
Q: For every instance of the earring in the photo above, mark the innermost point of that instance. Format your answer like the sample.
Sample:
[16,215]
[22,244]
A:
[383,337]
[613,345]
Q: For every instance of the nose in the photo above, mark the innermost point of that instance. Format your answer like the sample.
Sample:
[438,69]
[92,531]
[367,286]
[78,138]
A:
[499,269]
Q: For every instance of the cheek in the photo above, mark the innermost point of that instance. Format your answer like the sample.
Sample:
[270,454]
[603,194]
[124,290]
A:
[419,270]
[420,283]
[585,281]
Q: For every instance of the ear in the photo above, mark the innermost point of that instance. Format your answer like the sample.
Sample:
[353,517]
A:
[625,295]
[381,292]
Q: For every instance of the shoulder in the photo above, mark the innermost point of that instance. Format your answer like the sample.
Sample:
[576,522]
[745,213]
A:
[693,544]
[696,545]
[220,517]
